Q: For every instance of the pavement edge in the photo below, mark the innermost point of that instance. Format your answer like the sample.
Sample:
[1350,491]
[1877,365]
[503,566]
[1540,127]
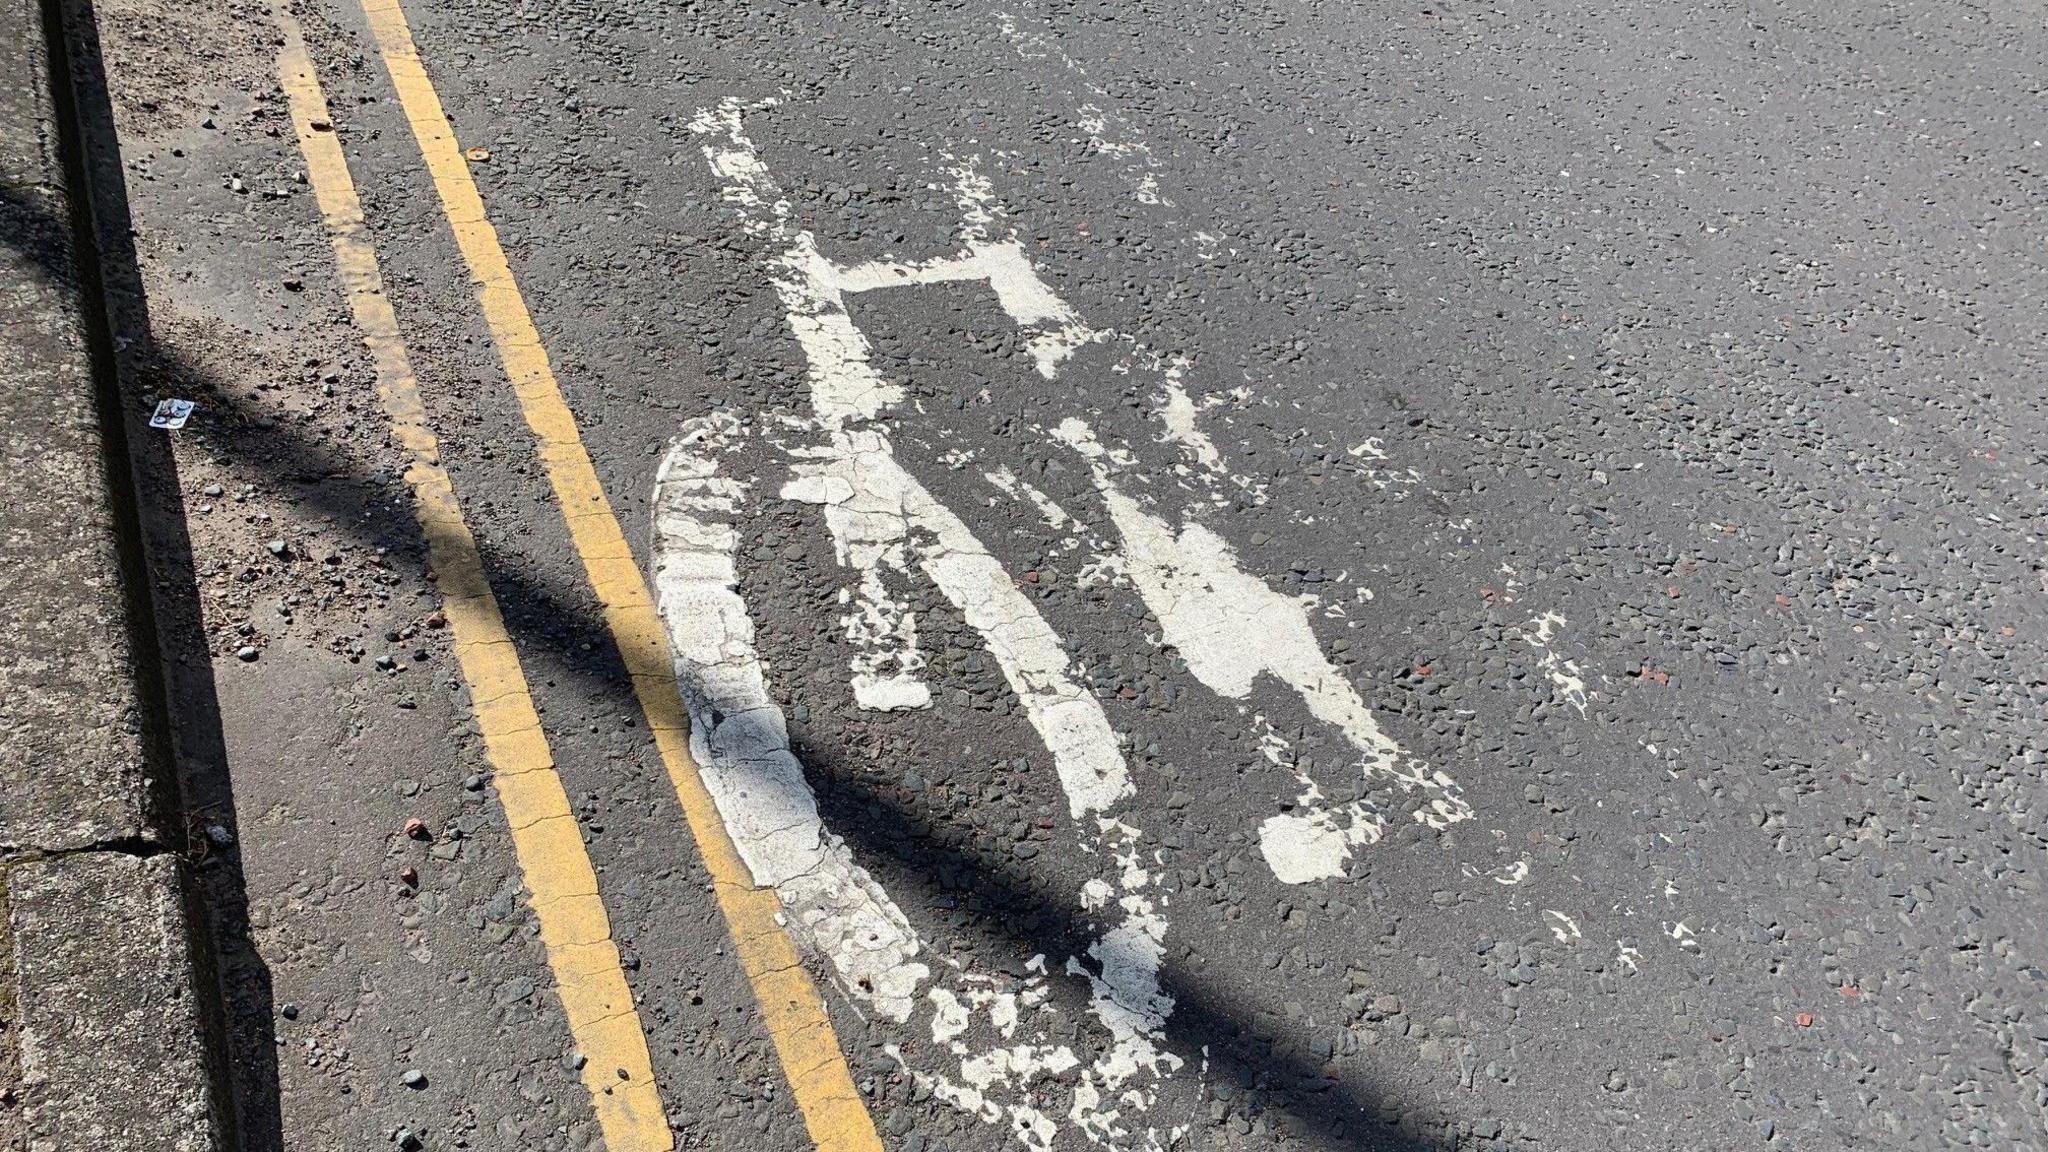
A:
[114,1025]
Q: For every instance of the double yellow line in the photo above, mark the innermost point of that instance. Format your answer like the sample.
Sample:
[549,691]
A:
[556,867]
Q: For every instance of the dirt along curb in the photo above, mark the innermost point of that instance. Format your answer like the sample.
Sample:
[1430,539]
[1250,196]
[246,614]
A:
[104,1014]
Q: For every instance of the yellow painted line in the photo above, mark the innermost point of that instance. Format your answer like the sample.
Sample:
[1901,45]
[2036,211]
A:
[791,1007]
[556,869]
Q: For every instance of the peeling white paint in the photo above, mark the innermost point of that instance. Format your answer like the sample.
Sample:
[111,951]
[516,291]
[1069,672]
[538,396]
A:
[1056,333]
[1563,927]
[741,741]
[845,387]
[1567,683]
[1303,847]
[1054,516]
[1684,935]
[1231,628]
[993,255]
[886,659]
[871,502]
[1127,1000]
[869,538]
[997,1084]
[1177,411]
[1107,134]
[1310,844]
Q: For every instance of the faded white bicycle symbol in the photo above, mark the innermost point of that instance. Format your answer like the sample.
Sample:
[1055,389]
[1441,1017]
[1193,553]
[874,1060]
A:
[1230,626]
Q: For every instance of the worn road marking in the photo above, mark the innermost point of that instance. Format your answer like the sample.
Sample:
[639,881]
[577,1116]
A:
[741,737]
[792,1010]
[1229,624]
[869,498]
[1109,134]
[556,869]
[1232,628]
[872,504]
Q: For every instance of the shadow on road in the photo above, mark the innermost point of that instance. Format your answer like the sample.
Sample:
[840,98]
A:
[1332,1112]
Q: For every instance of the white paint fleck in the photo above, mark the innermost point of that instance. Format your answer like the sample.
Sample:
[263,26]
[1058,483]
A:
[1563,927]
[1371,455]
[1566,681]
[1106,569]
[1303,847]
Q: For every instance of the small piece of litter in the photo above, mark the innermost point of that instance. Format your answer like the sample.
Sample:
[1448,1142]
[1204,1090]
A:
[171,415]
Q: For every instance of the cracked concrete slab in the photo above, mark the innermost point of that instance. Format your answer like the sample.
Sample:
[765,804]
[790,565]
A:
[110,1031]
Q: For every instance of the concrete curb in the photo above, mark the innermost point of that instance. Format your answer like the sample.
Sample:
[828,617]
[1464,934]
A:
[106,997]
[74,763]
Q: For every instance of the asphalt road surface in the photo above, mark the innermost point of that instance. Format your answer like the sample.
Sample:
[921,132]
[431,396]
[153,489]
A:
[1283,575]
